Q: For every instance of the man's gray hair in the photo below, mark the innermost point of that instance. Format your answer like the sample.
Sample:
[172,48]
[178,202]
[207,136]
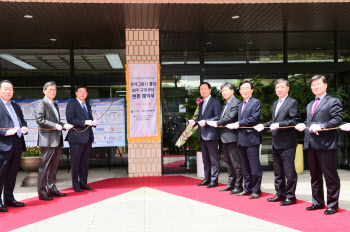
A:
[280,81]
[316,77]
[229,85]
[47,84]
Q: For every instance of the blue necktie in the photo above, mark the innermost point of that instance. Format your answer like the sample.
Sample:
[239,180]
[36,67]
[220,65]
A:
[278,106]
[223,112]
[14,118]
[85,110]
[204,105]
[54,110]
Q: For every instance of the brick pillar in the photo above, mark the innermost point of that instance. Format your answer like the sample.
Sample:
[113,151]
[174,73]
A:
[144,158]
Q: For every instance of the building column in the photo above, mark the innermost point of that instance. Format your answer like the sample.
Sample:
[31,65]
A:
[144,158]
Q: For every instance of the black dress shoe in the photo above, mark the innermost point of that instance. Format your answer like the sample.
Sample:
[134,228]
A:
[315,207]
[236,190]
[78,190]
[14,203]
[86,187]
[203,183]
[3,208]
[254,196]
[243,193]
[57,194]
[288,201]
[45,198]
[330,211]
[212,184]
[227,188]
[276,198]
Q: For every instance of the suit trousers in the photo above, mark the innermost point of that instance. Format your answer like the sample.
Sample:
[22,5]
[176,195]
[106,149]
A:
[251,168]
[324,161]
[210,159]
[80,154]
[50,157]
[284,168]
[9,166]
[233,164]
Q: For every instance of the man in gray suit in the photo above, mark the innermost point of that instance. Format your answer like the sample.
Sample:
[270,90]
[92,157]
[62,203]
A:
[50,142]
[322,145]
[229,140]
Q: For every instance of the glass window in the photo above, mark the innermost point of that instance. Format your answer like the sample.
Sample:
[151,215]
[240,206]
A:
[344,47]
[241,48]
[306,47]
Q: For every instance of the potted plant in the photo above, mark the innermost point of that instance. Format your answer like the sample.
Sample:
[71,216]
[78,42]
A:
[30,162]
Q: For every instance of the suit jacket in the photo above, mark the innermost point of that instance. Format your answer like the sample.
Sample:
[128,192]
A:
[329,112]
[230,116]
[211,113]
[249,118]
[6,142]
[46,118]
[287,115]
[76,116]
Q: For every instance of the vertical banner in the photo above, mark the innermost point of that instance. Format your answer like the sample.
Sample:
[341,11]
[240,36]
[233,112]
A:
[143,82]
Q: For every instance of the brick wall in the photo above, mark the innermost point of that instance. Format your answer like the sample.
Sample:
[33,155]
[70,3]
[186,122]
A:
[145,158]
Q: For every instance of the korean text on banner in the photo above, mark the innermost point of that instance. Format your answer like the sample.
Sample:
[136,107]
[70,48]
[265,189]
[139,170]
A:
[143,102]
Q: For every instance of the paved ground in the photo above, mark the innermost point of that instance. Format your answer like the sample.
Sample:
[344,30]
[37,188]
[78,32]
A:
[143,209]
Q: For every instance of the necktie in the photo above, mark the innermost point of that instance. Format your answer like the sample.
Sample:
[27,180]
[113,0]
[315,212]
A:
[54,110]
[278,106]
[85,110]
[14,118]
[223,112]
[204,105]
[244,103]
[315,106]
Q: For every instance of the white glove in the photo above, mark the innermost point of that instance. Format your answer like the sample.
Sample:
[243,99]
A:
[94,123]
[300,127]
[259,127]
[232,125]
[68,126]
[192,122]
[88,122]
[315,127]
[274,126]
[58,127]
[24,130]
[11,131]
[201,123]
[215,124]
[345,127]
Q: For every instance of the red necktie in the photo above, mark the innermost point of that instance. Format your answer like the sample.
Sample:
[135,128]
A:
[315,106]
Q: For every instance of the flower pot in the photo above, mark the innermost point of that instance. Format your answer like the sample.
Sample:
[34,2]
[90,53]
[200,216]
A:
[31,165]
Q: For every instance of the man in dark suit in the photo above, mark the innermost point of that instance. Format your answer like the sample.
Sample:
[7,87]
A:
[50,142]
[78,114]
[209,110]
[229,140]
[11,144]
[249,140]
[284,142]
[322,149]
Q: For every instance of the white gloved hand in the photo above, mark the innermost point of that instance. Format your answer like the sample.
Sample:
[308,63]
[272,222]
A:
[11,131]
[94,123]
[259,127]
[315,127]
[68,126]
[88,122]
[274,126]
[345,127]
[192,122]
[58,127]
[215,124]
[300,127]
[232,125]
[24,130]
[201,123]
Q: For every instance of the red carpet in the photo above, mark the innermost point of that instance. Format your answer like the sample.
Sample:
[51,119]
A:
[294,216]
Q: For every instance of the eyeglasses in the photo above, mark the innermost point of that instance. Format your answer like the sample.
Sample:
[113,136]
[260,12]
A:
[245,89]
[51,90]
